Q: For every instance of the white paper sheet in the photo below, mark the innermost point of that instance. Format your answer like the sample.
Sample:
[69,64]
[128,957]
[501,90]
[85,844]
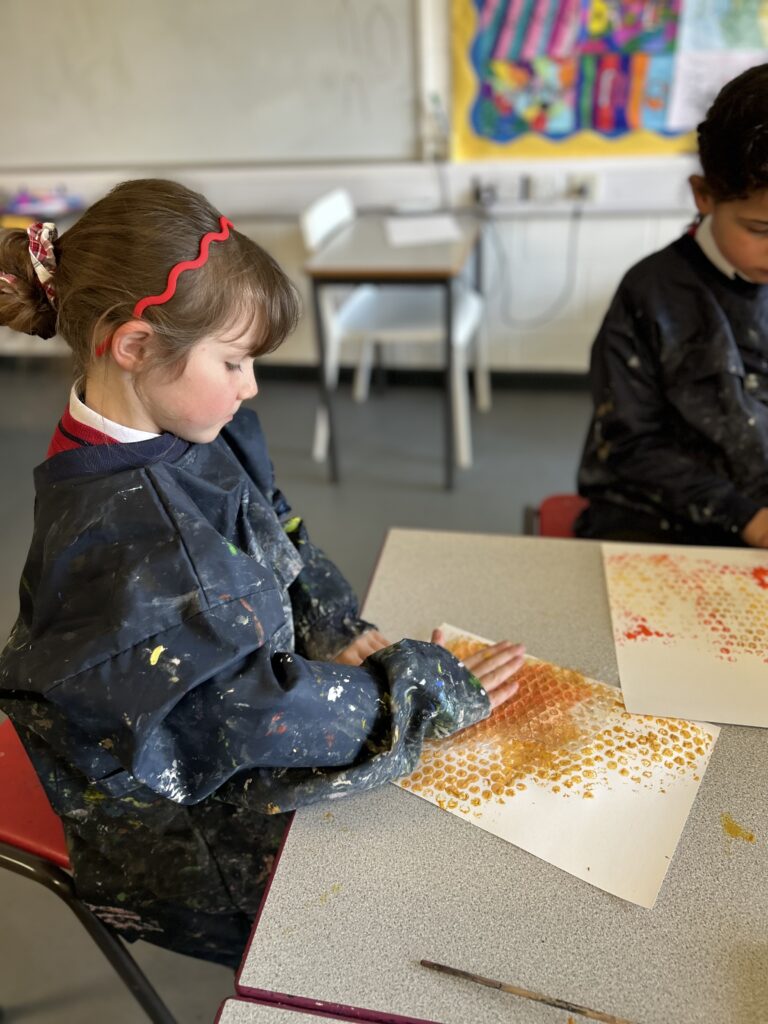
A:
[566,773]
[722,25]
[691,630]
[422,230]
[698,77]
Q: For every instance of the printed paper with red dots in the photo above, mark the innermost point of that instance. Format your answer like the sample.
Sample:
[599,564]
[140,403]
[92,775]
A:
[691,630]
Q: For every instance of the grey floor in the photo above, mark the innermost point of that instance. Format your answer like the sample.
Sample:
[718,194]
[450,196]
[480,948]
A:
[525,448]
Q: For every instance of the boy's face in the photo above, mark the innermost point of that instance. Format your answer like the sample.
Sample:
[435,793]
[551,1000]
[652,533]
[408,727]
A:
[740,228]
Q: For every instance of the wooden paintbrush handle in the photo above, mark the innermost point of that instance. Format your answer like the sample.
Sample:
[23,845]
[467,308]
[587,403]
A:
[524,993]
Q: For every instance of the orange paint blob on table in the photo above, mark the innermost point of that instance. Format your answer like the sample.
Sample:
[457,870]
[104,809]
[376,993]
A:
[734,830]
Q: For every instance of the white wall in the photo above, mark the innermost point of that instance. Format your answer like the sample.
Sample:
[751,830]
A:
[638,207]
[635,207]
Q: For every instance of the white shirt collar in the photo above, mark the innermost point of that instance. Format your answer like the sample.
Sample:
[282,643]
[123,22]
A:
[710,248]
[79,411]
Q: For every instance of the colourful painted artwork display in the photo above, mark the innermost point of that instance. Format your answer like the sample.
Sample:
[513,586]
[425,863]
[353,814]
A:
[628,26]
[565,772]
[691,630]
[539,77]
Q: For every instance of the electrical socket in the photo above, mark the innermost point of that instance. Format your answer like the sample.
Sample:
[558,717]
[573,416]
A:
[485,193]
[488,192]
[581,186]
[545,187]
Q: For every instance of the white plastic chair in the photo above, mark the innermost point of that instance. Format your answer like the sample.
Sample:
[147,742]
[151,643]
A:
[367,315]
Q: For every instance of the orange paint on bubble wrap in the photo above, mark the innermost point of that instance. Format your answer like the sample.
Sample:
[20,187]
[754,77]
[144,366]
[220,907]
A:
[561,732]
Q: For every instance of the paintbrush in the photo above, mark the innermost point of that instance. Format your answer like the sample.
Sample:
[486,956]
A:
[560,1004]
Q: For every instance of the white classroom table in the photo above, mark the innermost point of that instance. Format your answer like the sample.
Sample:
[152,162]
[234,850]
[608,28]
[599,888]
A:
[360,253]
[244,1011]
[369,885]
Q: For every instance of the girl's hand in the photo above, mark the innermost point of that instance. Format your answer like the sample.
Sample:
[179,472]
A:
[367,643]
[494,666]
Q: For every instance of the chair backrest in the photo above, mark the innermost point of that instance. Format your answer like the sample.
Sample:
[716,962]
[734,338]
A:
[27,820]
[325,215]
[557,514]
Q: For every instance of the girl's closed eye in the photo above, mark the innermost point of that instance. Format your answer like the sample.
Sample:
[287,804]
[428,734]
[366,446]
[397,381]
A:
[234,367]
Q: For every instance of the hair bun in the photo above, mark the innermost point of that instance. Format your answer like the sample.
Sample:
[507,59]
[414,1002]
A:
[24,305]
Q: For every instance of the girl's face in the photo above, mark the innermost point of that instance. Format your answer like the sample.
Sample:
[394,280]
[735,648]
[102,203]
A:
[217,378]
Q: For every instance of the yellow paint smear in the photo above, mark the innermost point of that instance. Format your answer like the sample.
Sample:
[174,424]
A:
[155,655]
[733,828]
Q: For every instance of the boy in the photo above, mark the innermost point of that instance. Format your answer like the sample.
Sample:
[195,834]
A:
[677,451]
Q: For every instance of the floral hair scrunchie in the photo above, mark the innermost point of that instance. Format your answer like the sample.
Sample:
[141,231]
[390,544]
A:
[42,236]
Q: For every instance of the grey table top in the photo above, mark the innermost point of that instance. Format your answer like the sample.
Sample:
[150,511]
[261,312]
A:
[361,251]
[241,1011]
[367,887]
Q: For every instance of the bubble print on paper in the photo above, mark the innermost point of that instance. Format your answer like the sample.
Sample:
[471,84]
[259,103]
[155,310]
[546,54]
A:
[660,597]
[561,732]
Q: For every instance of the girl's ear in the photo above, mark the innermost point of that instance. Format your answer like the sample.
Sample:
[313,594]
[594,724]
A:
[129,345]
[702,195]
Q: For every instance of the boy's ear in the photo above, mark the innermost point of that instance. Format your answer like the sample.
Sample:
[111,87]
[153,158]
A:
[702,195]
[129,345]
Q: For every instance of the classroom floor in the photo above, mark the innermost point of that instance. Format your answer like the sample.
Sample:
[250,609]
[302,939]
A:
[525,448]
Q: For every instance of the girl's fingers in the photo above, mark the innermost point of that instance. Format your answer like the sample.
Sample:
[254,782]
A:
[486,661]
[503,693]
[500,675]
[375,642]
[493,667]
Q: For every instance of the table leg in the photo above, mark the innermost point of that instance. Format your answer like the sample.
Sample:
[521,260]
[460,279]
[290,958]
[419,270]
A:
[449,356]
[482,373]
[325,391]
[478,262]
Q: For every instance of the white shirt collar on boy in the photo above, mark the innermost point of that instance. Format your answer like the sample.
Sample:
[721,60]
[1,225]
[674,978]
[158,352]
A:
[79,411]
[709,247]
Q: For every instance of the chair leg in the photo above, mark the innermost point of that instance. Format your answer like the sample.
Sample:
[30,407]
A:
[461,415]
[126,967]
[362,385]
[482,372]
[60,883]
[322,435]
[530,521]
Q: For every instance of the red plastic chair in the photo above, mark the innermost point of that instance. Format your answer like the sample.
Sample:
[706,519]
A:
[554,517]
[32,844]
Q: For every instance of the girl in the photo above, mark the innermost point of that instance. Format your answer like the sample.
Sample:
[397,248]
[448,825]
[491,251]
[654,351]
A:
[186,665]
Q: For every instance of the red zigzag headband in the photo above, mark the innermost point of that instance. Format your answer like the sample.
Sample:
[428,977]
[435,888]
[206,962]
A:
[173,276]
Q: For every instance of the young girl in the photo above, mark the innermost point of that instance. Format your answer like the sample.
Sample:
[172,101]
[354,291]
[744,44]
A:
[186,665]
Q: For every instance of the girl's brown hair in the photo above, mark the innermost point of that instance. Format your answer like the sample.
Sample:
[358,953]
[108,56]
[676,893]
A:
[122,250]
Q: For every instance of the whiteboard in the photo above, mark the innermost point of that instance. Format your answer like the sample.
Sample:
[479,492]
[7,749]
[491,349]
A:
[103,82]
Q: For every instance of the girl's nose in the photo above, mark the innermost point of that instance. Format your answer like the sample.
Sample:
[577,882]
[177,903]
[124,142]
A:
[249,388]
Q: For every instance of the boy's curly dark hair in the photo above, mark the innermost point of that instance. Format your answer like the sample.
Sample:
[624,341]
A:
[733,138]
